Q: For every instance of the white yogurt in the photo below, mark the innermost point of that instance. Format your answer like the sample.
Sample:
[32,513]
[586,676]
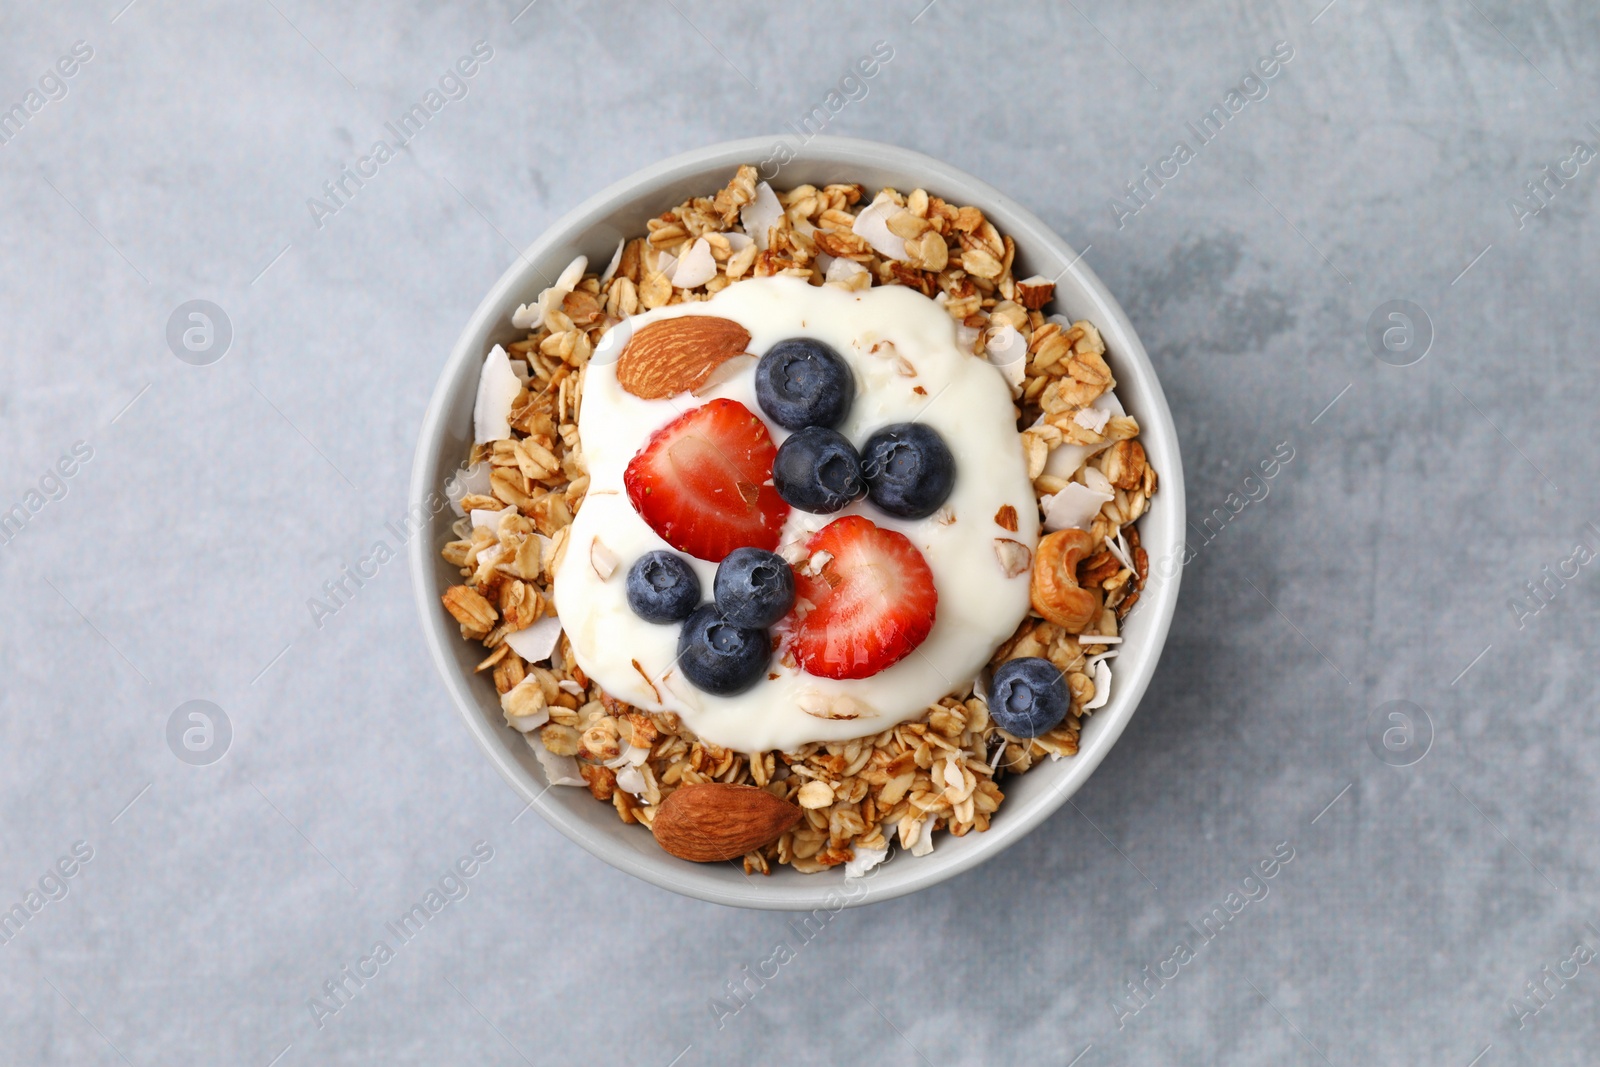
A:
[963,397]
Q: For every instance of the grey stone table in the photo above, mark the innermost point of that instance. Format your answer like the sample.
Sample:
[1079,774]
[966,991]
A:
[1379,685]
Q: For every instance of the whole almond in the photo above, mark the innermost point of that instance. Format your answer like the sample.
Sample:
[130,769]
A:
[713,821]
[676,355]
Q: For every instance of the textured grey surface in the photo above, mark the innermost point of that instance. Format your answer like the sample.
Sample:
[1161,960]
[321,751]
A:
[1379,567]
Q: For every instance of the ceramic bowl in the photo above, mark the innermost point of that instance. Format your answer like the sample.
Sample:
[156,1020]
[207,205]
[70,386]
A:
[593,229]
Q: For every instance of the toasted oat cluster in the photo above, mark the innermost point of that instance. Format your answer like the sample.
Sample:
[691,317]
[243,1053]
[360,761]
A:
[939,772]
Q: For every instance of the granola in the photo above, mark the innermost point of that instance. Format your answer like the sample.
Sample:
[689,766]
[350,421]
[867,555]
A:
[941,771]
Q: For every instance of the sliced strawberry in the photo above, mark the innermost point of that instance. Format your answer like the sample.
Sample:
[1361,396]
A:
[868,607]
[704,482]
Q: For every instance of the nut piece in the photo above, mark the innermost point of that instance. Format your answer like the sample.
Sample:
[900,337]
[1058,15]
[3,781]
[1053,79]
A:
[1014,556]
[713,821]
[832,705]
[1035,292]
[602,559]
[1054,586]
[676,355]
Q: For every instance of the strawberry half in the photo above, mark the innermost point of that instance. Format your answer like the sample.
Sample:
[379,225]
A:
[870,605]
[704,482]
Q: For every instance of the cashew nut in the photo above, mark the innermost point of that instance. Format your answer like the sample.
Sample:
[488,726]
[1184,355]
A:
[1054,586]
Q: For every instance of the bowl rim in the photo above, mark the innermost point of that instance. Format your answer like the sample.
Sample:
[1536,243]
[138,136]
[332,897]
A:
[1160,593]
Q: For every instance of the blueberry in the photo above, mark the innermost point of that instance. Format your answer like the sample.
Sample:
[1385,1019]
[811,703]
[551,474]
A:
[802,382]
[662,587]
[753,587]
[1028,696]
[721,657]
[909,470]
[817,470]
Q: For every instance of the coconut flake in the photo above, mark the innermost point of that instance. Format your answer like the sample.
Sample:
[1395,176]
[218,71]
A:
[872,225]
[631,756]
[524,723]
[924,843]
[530,316]
[1121,552]
[1092,418]
[616,261]
[497,391]
[761,214]
[841,271]
[570,277]
[1102,683]
[737,241]
[567,685]
[1073,508]
[1006,349]
[1065,459]
[864,859]
[631,780]
[558,770]
[527,316]
[536,643]
[1095,479]
[666,263]
[473,480]
[612,342]
[697,266]
[489,517]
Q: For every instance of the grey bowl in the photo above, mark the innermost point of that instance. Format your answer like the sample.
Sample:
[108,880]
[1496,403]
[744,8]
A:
[593,230]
